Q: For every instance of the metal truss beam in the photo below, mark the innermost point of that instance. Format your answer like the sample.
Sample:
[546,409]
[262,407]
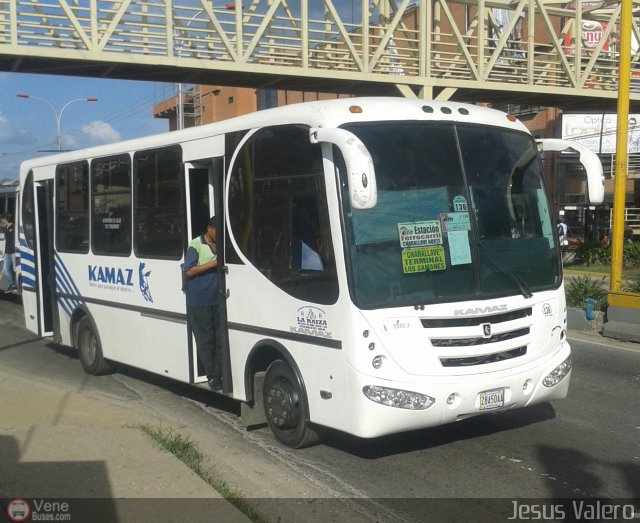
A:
[470,49]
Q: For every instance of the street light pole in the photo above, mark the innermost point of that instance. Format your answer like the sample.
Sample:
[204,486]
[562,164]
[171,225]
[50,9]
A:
[58,114]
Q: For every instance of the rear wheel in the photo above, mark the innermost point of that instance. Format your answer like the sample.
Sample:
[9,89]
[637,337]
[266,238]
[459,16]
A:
[90,350]
[285,408]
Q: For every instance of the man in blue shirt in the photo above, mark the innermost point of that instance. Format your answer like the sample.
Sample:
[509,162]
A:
[200,268]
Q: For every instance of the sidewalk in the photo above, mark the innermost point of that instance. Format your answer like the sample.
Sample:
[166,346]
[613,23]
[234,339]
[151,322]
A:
[60,445]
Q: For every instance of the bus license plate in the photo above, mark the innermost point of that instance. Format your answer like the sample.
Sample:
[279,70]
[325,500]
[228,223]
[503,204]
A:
[492,399]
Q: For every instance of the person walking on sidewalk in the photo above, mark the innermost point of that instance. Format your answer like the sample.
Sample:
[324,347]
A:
[9,251]
[562,233]
[200,268]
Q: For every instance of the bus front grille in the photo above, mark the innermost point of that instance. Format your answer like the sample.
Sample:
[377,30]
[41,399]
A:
[470,342]
[471,321]
[483,359]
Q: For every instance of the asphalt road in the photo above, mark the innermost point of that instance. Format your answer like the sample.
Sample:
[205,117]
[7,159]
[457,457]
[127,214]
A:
[482,469]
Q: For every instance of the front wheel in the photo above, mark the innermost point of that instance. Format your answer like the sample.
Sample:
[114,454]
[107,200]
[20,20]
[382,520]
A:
[90,350]
[285,408]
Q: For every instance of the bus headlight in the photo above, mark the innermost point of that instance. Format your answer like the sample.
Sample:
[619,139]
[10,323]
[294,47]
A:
[558,374]
[402,399]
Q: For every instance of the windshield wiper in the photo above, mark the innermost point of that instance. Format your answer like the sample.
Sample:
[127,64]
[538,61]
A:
[503,271]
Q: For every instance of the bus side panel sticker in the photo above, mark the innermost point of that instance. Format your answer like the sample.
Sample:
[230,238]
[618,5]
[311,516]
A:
[312,321]
[422,259]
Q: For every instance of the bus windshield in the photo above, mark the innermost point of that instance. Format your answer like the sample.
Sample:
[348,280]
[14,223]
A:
[462,214]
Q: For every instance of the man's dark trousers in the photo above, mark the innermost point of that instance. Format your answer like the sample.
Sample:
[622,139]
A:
[203,322]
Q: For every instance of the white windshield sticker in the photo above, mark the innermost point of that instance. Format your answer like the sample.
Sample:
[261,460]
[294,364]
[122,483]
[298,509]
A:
[418,234]
[460,204]
[459,251]
[455,221]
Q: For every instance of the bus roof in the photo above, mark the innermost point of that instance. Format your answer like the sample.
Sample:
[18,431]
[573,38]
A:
[328,113]
[9,186]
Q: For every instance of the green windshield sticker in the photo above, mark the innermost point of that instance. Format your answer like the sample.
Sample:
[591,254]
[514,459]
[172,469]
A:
[417,234]
[422,259]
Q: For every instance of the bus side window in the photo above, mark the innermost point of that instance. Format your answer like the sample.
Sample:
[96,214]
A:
[306,235]
[279,214]
[159,213]
[111,197]
[72,207]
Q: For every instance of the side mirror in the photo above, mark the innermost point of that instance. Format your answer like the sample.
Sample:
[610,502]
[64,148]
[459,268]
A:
[588,159]
[361,177]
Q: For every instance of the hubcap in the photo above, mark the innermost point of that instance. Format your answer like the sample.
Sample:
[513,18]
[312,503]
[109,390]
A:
[282,405]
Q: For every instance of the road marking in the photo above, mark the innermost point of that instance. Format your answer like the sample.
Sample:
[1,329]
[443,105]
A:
[607,346]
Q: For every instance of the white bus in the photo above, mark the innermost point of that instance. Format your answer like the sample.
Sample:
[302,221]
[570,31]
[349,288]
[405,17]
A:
[388,264]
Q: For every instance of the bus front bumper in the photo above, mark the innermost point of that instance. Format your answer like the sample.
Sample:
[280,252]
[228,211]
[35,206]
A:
[387,407]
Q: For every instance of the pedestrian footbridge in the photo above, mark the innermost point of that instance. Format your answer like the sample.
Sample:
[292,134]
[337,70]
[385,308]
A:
[547,52]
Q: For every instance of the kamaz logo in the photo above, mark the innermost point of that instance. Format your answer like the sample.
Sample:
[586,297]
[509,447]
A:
[480,310]
[111,275]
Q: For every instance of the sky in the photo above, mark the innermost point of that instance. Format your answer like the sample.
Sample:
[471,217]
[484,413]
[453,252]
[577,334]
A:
[123,110]
[27,126]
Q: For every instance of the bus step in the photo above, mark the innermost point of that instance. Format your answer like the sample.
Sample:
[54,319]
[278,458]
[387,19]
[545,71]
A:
[252,414]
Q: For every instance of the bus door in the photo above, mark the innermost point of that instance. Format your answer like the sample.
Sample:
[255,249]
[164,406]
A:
[37,265]
[204,190]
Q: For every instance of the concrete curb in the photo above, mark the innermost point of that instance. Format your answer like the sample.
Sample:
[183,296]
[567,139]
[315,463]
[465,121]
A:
[577,320]
[622,323]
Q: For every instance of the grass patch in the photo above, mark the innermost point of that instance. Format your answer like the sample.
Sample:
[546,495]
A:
[187,451]
[581,267]
[602,270]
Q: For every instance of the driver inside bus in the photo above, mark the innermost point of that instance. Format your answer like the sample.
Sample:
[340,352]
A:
[200,269]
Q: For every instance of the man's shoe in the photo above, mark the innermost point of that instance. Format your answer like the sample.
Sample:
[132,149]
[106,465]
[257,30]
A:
[215,384]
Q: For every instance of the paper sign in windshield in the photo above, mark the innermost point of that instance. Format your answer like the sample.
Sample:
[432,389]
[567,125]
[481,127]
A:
[417,234]
[422,259]
[460,204]
[459,252]
[455,221]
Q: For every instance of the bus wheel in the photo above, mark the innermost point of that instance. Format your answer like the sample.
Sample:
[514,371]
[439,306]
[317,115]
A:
[89,350]
[285,409]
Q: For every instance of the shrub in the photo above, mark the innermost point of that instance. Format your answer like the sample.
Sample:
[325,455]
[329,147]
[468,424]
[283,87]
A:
[631,253]
[581,287]
[632,284]
[592,253]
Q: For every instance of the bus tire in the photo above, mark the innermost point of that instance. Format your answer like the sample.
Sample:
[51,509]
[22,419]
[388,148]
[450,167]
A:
[285,409]
[90,350]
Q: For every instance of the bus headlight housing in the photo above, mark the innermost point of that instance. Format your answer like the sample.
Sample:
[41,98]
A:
[558,374]
[402,399]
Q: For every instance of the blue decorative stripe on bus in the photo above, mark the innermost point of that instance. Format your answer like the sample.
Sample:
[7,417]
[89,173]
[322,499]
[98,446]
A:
[61,284]
[27,282]
[27,256]
[65,285]
[64,306]
[64,273]
[28,270]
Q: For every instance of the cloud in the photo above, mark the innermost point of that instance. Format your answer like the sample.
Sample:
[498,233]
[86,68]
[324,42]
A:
[100,132]
[12,134]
